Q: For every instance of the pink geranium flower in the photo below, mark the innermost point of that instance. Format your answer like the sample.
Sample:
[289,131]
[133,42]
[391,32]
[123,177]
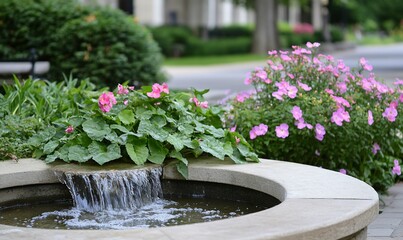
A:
[296,112]
[106,101]
[390,113]
[259,130]
[375,148]
[370,118]
[319,132]
[282,131]
[339,116]
[396,168]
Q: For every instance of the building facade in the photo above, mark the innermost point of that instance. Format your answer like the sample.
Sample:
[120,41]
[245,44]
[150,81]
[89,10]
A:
[210,13]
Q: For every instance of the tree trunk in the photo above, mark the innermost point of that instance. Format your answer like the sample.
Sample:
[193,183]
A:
[266,35]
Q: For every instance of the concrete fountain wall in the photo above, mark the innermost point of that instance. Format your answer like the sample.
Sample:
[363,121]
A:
[315,203]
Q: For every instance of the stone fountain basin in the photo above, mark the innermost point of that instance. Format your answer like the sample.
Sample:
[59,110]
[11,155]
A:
[315,203]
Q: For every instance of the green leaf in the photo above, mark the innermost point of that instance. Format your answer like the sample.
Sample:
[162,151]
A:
[213,146]
[178,155]
[145,127]
[41,137]
[50,147]
[102,154]
[79,154]
[237,157]
[157,151]
[138,152]
[51,158]
[175,141]
[120,128]
[158,120]
[186,129]
[96,128]
[183,169]
[216,132]
[127,117]
[228,150]
[114,138]
[245,151]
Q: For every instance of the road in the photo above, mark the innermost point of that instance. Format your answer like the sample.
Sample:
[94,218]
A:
[387,61]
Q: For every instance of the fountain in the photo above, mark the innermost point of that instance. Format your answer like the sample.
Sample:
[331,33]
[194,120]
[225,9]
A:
[315,203]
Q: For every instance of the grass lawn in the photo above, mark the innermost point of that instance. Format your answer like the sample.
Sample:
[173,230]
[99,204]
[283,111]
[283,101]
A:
[213,60]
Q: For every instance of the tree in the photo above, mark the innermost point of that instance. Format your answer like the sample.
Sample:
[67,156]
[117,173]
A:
[266,35]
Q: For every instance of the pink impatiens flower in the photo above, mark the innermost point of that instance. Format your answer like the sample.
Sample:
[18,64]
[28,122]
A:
[370,118]
[106,101]
[390,113]
[69,129]
[122,90]
[375,148]
[319,132]
[282,131]
[259,130]
[396,168]
[157,89]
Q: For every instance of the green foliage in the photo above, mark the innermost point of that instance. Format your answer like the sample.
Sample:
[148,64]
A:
[220,47]
[325,91]
[101,43]
[139,127]
[232,31]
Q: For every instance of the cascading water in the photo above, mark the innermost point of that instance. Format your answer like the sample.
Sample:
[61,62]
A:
[113,190]
[125,197]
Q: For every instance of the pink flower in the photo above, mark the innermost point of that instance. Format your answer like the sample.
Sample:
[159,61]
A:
[248,80]
[285,58]
[292,91]
[375,148]
[390,114]
[312,45]
[341,101]
[122,90]
[106,101]
[69,129]
[262,74]
[157,89]
[394,104]
[398,82]
[370,118]
[282,131]
[237,140]
[396,168]
[319,132]
[204,104]
[329,91]
[296,112]
[233,129]
[271,53]
[304,86]
[401,98]
[342,87]
[259,130]
[365,65]
[339,116]
[343,171]
[131,88]
[125,102]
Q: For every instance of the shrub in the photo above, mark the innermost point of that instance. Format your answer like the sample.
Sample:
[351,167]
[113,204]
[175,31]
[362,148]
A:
[100,43]
[106,46]
[233,31]
[220,47]
[315,110]
[26,24]
[174,41]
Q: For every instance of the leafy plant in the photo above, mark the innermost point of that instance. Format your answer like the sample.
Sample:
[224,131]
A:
[313,109]
[151,124]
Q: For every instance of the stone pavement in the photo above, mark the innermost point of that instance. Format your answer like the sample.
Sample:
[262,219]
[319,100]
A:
[389,224]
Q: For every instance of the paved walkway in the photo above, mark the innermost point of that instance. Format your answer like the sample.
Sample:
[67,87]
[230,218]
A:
[389,224]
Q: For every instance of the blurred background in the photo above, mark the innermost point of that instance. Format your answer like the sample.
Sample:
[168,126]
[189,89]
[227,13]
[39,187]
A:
[190,43]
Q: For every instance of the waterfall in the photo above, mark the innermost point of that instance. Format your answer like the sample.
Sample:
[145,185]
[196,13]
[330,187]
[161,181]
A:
[113,190]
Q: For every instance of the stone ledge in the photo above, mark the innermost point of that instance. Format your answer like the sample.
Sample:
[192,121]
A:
[316,203]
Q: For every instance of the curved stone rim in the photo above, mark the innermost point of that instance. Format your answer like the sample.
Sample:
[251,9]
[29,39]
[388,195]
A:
[315,203]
